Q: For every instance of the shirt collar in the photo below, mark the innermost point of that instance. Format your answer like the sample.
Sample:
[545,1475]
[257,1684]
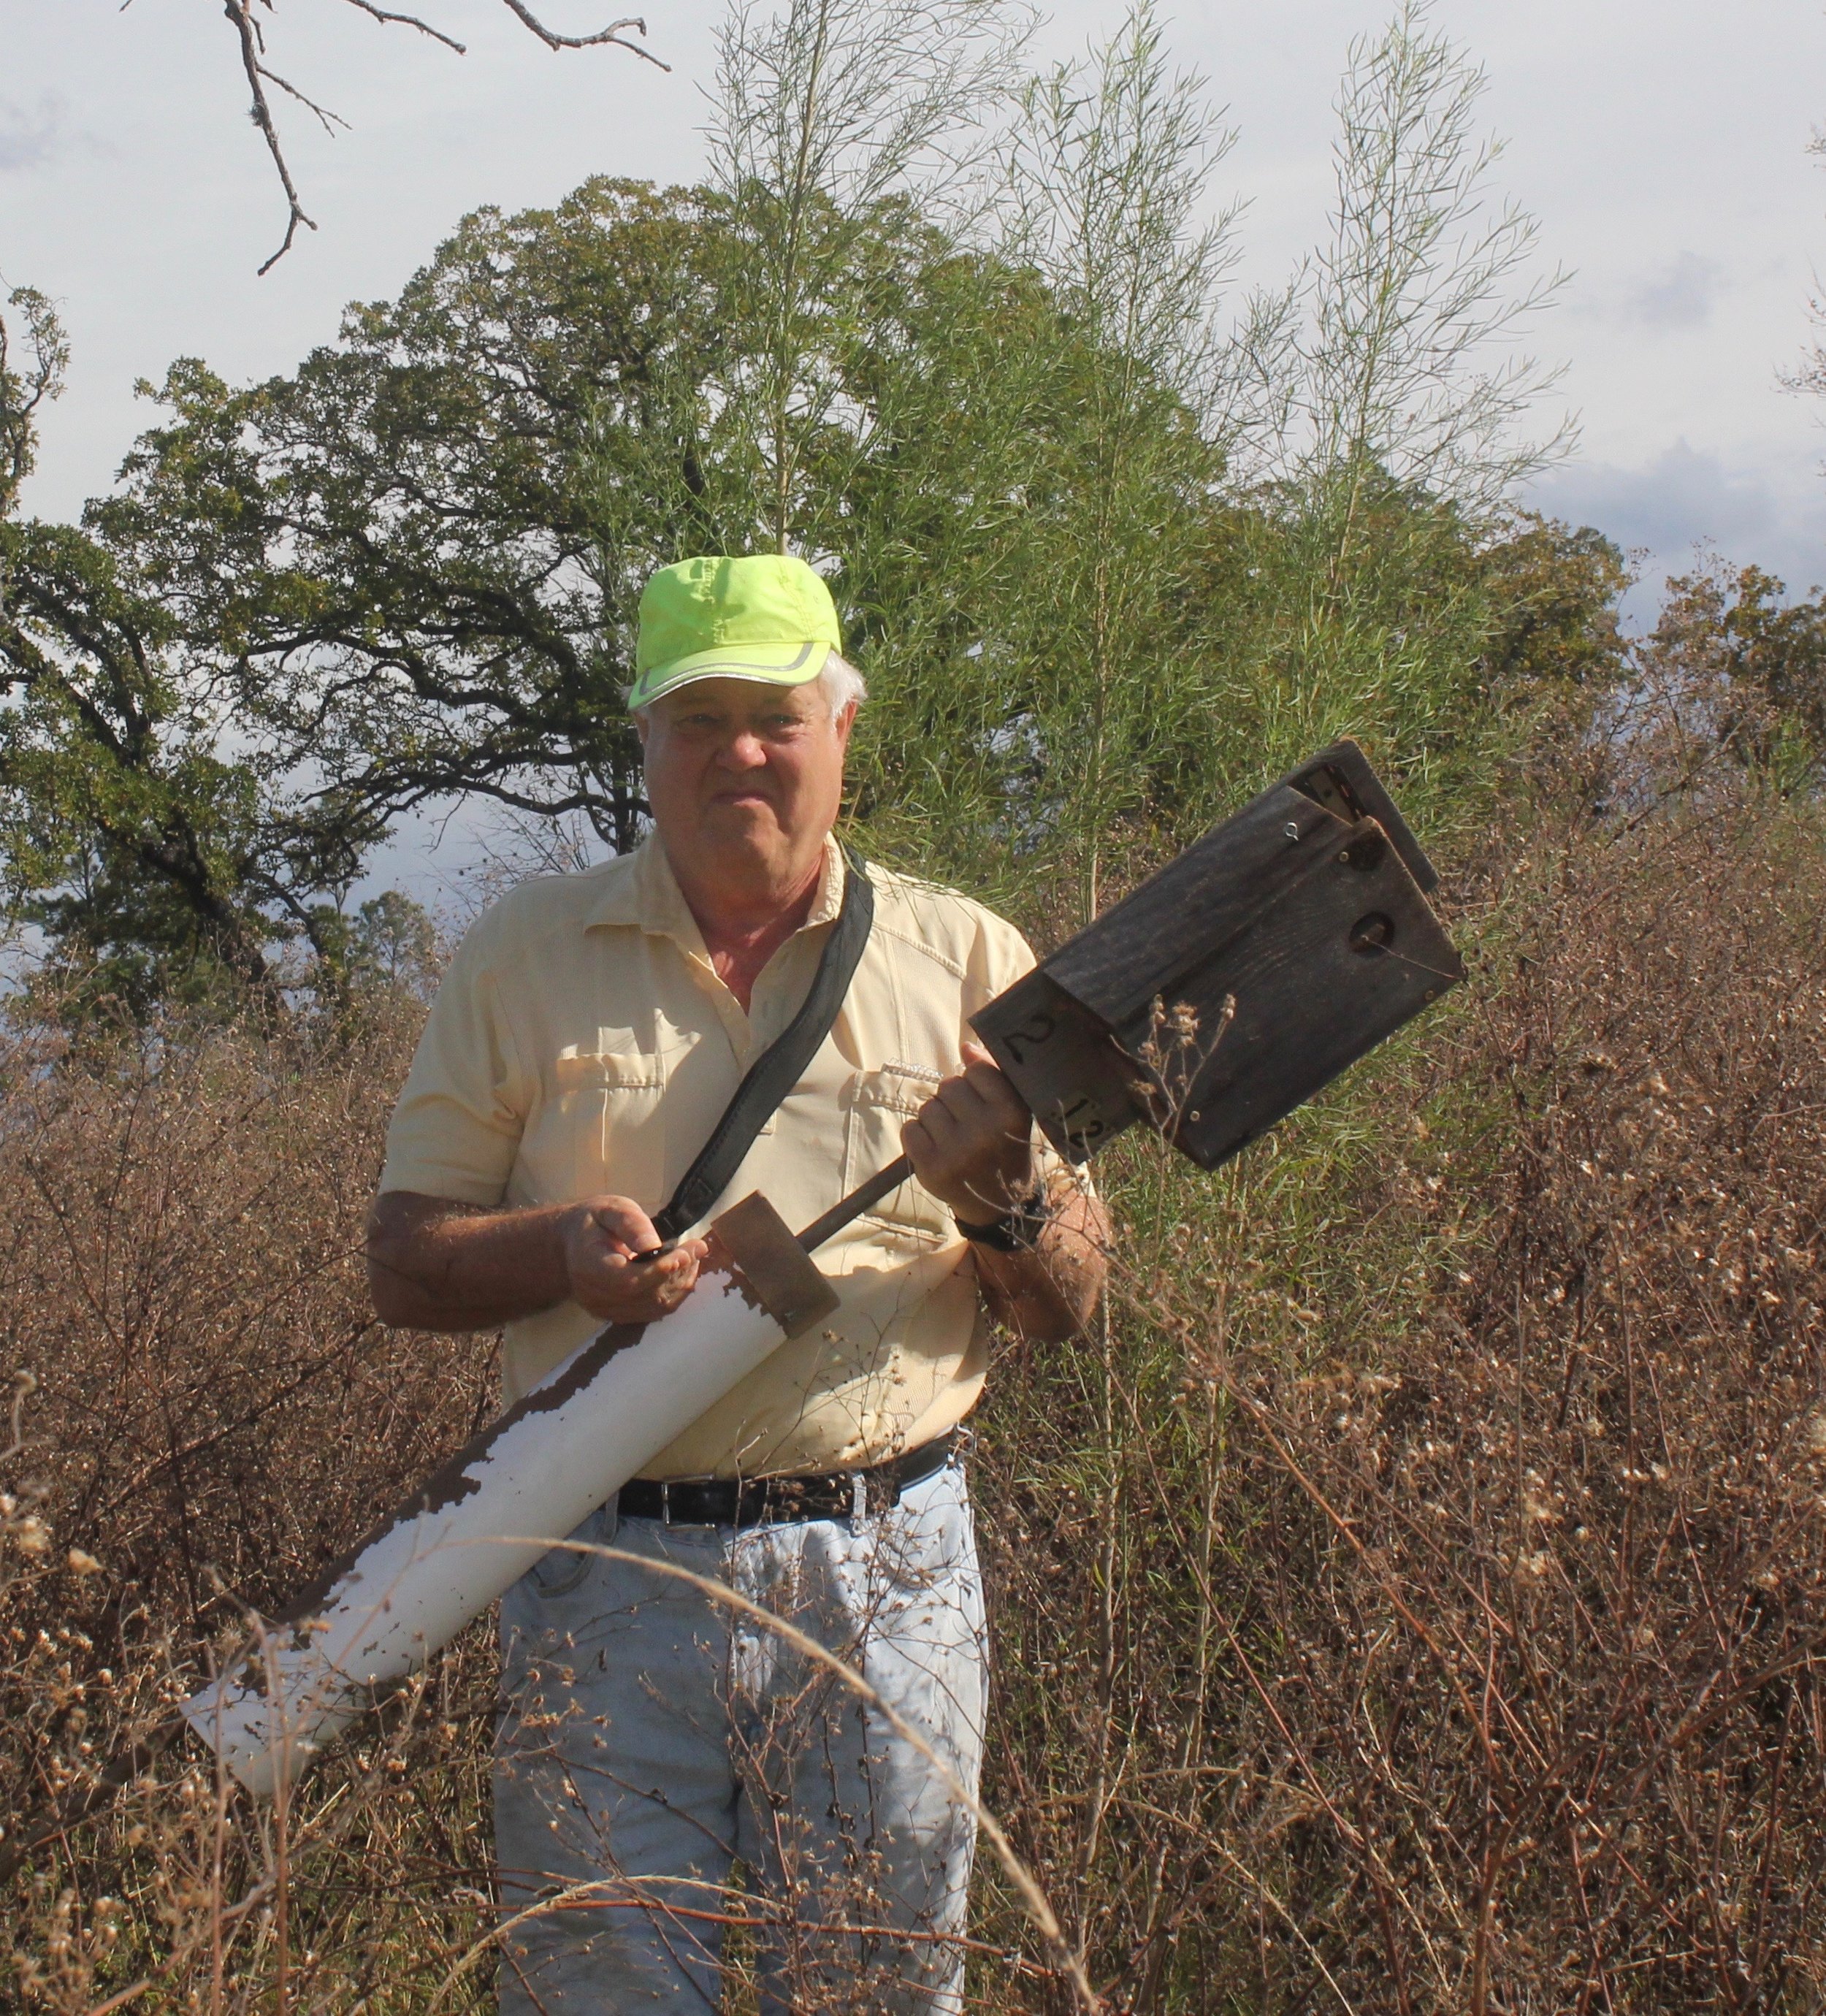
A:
[641,891]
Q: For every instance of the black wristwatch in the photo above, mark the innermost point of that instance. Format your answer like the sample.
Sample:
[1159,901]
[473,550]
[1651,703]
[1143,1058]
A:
[1015,1231]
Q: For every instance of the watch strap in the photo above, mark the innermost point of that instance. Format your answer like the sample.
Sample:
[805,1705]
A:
[1015,1231]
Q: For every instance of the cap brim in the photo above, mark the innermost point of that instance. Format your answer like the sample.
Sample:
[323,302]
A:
[773,665]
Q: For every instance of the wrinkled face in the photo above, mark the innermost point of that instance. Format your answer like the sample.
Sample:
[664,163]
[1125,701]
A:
[744,779]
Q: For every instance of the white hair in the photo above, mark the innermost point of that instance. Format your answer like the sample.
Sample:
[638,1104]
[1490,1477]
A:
[840,683]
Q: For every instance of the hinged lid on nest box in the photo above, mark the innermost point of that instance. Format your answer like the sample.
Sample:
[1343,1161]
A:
[1239,980]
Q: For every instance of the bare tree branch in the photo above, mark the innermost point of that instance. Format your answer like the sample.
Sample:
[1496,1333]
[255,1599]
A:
[613,32]
[253,44]
[327,120]
[412,21]
[238,11]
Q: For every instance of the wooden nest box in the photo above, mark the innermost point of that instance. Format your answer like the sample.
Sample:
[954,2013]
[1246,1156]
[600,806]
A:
[1239,980]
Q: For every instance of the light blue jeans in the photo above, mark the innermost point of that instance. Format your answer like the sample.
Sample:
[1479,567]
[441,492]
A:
[651,1736]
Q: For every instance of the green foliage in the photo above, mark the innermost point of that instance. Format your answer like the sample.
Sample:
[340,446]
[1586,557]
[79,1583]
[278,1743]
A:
[831,118]
[1105,565]
[127,839]
[1750,667]
[388,942]
[1097,643]
[1445,648]
[23,388]
[1234,548]
[417,560]
[1554,592]
[161,850]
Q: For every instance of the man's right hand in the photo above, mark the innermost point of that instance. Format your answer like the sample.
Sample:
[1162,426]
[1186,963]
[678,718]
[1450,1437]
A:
[434,1264]
[600,1236]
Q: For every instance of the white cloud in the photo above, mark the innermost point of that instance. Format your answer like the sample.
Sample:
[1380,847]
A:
[1681,297]
[29,135]
[1686,498]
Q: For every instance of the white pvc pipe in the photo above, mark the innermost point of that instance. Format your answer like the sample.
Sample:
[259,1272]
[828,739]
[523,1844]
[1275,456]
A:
[578,1437]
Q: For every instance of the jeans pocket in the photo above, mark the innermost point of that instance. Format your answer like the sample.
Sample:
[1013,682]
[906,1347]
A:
[565,1570]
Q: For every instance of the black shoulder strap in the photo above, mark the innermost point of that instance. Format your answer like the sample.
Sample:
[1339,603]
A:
[782,1064]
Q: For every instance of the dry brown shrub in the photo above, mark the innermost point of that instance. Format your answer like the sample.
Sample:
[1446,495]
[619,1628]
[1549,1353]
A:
[215,1414]
[1412,1599]
[1465,1651]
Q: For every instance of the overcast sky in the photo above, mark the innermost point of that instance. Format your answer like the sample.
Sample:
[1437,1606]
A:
[1662,144]
[1663,147]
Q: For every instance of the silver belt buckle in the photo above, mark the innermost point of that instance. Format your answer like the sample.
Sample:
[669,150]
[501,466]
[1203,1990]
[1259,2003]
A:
[683,1525]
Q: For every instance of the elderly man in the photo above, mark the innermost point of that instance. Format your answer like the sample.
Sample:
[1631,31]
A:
[589,1035]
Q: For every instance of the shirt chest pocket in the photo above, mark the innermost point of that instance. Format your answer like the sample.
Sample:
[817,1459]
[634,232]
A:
[608,1110]
[880,1103]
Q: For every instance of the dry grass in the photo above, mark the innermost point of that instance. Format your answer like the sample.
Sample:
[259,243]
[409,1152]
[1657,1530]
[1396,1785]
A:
[1451,1637]
[1414,1600]
[215,1415]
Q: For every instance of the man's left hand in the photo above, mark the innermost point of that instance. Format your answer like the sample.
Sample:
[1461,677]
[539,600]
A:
[971,1143]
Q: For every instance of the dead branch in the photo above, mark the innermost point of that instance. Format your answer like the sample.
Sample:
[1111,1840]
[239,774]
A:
[251,39]
[613,32]
[411,21]
[238,11]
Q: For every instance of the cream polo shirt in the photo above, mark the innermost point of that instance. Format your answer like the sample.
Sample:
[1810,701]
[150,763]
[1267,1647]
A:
[582,1043]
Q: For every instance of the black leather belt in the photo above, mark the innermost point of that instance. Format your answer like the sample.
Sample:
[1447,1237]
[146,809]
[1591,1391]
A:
[746,1501]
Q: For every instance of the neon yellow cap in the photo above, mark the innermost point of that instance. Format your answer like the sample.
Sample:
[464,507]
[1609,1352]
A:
[766,617]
